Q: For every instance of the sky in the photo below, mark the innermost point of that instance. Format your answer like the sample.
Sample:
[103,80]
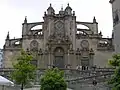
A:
[13,12]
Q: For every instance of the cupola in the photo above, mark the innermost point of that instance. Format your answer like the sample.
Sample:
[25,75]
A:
[50,10]
[68,10]
[61,12]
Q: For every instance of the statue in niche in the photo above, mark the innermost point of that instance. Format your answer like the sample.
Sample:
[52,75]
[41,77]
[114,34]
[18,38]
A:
[40,52]
[116,17]
[71,46]
[46,51]
[71,51]
[28,51]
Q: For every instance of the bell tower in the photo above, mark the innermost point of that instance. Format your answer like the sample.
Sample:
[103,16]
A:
[116,23]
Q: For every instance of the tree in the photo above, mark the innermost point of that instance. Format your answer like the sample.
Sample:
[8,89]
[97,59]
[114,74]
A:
[24,71]
[53,79]
[115,79]
[115,61]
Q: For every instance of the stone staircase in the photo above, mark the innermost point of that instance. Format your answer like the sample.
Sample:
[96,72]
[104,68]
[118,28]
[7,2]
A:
[77,79]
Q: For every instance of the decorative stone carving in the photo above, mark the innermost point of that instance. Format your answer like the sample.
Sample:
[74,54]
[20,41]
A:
[40,52]
[71,51]
[46,52]
[59,30]
[78,51]
[66,38]
[59,25]
[34,45]
[28,51]
[91,52]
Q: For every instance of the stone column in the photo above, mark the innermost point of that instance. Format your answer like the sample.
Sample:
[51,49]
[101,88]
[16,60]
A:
[46,59]
[78,56]
[66,58]
[91,56]
[51,58]
[72,60]
[40,59]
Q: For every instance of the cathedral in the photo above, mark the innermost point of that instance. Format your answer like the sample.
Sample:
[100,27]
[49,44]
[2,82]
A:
[60,42]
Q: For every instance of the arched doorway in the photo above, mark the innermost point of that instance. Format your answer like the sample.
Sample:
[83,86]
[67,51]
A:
[59,57]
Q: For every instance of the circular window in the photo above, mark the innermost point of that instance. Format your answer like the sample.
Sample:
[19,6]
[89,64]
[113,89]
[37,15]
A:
[34,45]
[84,44]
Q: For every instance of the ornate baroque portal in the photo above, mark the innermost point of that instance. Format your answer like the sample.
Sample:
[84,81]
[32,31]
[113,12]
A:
[59,57]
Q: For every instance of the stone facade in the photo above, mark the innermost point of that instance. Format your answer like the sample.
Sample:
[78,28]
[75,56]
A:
[1,58]
[60,42]
[116,24]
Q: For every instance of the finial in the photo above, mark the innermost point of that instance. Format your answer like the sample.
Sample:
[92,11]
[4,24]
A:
[94,20]
[73,13]
[8,35]
[50,4]
[68,4]
[62,8]
[8,32]
[45,13]
[25,21]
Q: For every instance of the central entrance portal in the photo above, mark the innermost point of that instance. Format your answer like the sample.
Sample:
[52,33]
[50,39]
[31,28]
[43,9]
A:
[59,57]
[85,61]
